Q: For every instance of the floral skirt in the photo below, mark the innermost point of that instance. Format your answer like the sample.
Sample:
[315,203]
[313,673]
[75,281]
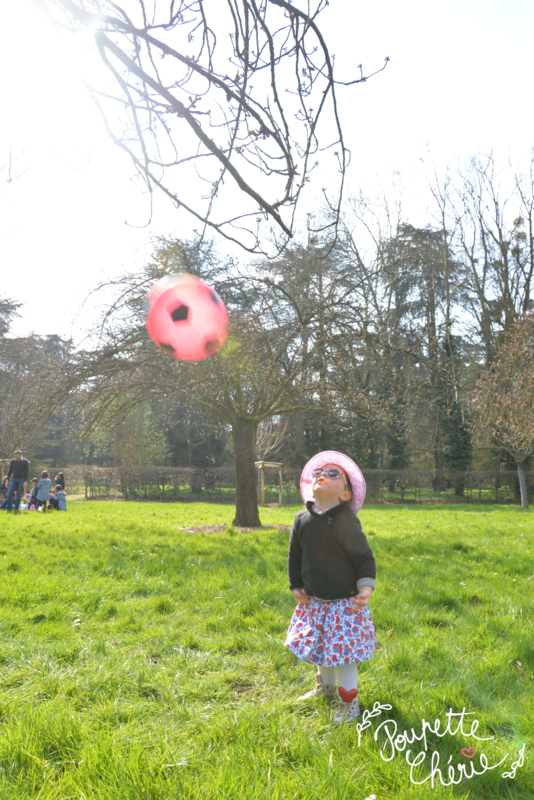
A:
[331,634]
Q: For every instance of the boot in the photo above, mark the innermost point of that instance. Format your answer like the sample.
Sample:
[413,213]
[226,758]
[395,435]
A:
[349,705]
[321,689]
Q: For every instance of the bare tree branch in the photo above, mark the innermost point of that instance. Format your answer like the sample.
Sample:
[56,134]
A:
[254,138]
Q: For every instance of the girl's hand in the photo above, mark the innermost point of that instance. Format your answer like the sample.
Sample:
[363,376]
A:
[301,596]
[362,598]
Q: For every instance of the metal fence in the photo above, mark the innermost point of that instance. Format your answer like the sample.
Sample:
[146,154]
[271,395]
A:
[218,485]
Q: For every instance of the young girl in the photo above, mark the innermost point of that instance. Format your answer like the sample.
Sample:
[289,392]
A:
[332,576]
[43,490]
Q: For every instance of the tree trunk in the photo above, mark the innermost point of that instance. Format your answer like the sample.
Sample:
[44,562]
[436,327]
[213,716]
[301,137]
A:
[523,485]
[459,484]
[438,484]
[246,511]
[298,420]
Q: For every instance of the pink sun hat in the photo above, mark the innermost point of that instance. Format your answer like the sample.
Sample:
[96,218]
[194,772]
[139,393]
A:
[348,466]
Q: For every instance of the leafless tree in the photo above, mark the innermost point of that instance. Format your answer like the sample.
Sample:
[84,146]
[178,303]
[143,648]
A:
[30,387]
[239,96]
[269,437]
[504,398]
[495,232]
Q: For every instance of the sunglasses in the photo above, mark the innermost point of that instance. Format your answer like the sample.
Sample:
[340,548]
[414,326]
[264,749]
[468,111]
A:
[331,473]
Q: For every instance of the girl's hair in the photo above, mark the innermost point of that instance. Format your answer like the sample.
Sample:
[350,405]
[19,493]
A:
[35,480]
[60,475]
[59,487]
[44,474]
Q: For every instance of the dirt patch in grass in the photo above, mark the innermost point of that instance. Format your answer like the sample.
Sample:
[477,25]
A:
[221,528]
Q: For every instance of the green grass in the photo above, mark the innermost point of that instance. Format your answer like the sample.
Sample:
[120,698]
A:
[142,662]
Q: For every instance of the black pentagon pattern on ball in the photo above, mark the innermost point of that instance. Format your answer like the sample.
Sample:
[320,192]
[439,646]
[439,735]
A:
[180,313]
[167,348]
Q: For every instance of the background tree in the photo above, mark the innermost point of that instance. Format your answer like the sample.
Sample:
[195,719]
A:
[504,398]
[455,433]
[493,218]
[195,439]
[239,96]
[269,437]
[31,382]
[137,440]
[489,212]
[255,376]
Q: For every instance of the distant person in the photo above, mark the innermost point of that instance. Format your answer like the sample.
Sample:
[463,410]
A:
[53,498]
[17,476]
[25,505]
[3,507]
[3,487]
[33,493]
[43,490]
[60,478]
[61,498]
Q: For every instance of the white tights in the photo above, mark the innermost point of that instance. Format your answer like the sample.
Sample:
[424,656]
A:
[346,674]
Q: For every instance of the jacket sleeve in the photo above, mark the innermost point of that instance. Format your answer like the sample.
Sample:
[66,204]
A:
[356,547]
[10,471]
[294,559]
[26,471]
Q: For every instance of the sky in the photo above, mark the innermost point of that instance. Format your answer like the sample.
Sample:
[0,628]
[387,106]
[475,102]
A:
[458,83]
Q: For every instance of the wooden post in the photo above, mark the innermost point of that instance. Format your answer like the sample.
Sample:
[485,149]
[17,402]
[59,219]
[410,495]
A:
[260,465]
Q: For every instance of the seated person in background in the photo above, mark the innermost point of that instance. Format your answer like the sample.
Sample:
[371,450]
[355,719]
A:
[25,504]
[3,487]
[33,493]
[61,498]
[52,502]
[4,504]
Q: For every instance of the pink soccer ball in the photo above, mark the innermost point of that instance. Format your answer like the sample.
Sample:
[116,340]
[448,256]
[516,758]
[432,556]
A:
[186,318]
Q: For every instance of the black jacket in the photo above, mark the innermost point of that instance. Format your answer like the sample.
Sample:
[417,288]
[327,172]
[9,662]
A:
[19,470]
[329,556]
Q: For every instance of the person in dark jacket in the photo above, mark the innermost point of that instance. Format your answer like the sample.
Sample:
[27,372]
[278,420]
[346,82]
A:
[33,493]
[17,476]
[332,575]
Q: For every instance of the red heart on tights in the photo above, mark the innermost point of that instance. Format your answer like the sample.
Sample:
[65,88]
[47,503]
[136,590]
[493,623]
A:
[347,696]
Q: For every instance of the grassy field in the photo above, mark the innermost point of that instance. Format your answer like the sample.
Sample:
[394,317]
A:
[142,661]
